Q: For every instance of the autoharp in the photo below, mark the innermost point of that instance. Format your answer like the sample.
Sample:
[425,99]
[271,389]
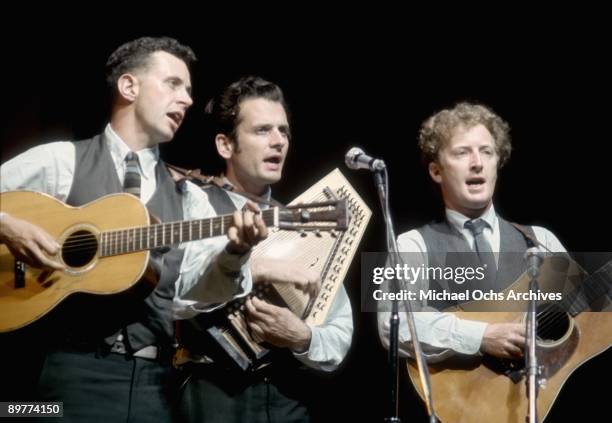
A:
[224,335]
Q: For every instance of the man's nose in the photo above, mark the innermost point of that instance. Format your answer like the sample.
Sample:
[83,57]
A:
[185,98]
[476,160]
[278,139]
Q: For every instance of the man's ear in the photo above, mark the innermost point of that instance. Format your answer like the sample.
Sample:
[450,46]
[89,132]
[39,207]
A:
[225,146]
[127,86]
[435,171]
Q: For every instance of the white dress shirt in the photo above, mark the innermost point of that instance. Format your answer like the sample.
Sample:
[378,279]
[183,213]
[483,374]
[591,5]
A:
[443,334]
[208,274]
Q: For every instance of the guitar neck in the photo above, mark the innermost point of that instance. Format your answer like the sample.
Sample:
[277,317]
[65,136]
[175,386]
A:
[129,240]
[591,289]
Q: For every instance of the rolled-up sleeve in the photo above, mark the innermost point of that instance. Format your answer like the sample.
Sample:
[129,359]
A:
[330,342]
[441,334]
[209,275]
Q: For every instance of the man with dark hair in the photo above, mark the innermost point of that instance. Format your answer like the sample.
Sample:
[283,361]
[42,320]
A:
[463,149]
[252,136]
[108,358]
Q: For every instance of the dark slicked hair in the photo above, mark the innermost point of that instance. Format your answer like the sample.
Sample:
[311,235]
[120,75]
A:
[224,109]
[135,55]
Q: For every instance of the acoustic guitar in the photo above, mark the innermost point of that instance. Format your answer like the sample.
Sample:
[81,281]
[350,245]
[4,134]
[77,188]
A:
[470,389]
[105,246]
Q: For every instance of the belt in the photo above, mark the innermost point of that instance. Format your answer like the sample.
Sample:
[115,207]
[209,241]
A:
[150,352]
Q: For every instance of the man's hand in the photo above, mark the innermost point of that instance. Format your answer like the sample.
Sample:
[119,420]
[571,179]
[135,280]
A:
[277,325]
[504,340]
[285,271]
[29,243]
[248,229]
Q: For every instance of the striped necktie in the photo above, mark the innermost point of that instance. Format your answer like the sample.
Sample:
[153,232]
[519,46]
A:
[481,245]
[131,183]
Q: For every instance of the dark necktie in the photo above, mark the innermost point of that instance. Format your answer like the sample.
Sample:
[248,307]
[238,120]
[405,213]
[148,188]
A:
[482,246]
[131,183]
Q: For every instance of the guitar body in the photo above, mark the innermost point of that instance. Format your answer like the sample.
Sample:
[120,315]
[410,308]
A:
[105,246]
[26,300]
[470,389]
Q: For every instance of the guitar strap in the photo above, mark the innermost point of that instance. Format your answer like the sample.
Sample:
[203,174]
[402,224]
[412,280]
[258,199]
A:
[531,240]
[180,174]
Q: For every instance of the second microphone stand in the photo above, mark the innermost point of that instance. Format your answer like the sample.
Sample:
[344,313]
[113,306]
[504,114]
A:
[382,185]
[531,358]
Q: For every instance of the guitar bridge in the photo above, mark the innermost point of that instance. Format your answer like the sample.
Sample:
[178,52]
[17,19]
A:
[513,369]
[515,375]
[19,272]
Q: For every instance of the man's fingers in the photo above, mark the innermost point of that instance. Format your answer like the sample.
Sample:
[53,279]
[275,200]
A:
[251,206]
[263,307]
[232,234]
[235,234]
[256,329]
[250,231]
[42,260]
[261,227]
[514,351]
[49,247]
[48,244]
[246,230]
[26,256]
[315,286]
[47,262]
[237,220]
[310,284]
[254,312]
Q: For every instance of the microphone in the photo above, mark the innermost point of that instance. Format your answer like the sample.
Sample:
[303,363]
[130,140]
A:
[533,257]
[355,159]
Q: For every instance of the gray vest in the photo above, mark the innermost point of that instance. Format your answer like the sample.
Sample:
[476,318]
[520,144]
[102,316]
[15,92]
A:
[448,248]
[219,200]
[143,322]
[199,342]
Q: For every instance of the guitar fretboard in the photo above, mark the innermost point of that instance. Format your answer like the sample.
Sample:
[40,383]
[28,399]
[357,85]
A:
[123,241]
[591,289]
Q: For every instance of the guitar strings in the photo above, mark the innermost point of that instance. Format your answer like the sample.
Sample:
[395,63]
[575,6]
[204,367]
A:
[121,237]
[554,318]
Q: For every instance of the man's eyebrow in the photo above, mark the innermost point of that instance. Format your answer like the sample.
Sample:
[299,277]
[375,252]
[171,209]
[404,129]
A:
[181,81]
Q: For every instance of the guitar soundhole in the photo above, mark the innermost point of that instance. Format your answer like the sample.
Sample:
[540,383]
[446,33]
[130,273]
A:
[79,248]
[553,322]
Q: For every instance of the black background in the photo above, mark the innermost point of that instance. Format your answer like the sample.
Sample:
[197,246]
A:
[370,84]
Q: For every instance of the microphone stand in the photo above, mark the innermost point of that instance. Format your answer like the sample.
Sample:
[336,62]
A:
[382,184]
[531,358]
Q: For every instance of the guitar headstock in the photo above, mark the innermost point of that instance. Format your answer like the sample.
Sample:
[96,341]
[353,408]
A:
[320,216]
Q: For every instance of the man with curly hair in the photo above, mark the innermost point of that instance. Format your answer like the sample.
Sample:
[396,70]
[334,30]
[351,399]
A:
[463,149]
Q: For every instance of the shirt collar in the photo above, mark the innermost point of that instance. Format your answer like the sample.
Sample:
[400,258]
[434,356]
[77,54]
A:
[147,158]
[240,200]
[457,220]
[267,194]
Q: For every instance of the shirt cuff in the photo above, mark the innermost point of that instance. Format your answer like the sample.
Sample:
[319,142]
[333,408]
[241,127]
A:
[470,338]
[231,263]
[306,352]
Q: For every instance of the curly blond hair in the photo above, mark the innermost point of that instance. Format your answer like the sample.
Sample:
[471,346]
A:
[439,128]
